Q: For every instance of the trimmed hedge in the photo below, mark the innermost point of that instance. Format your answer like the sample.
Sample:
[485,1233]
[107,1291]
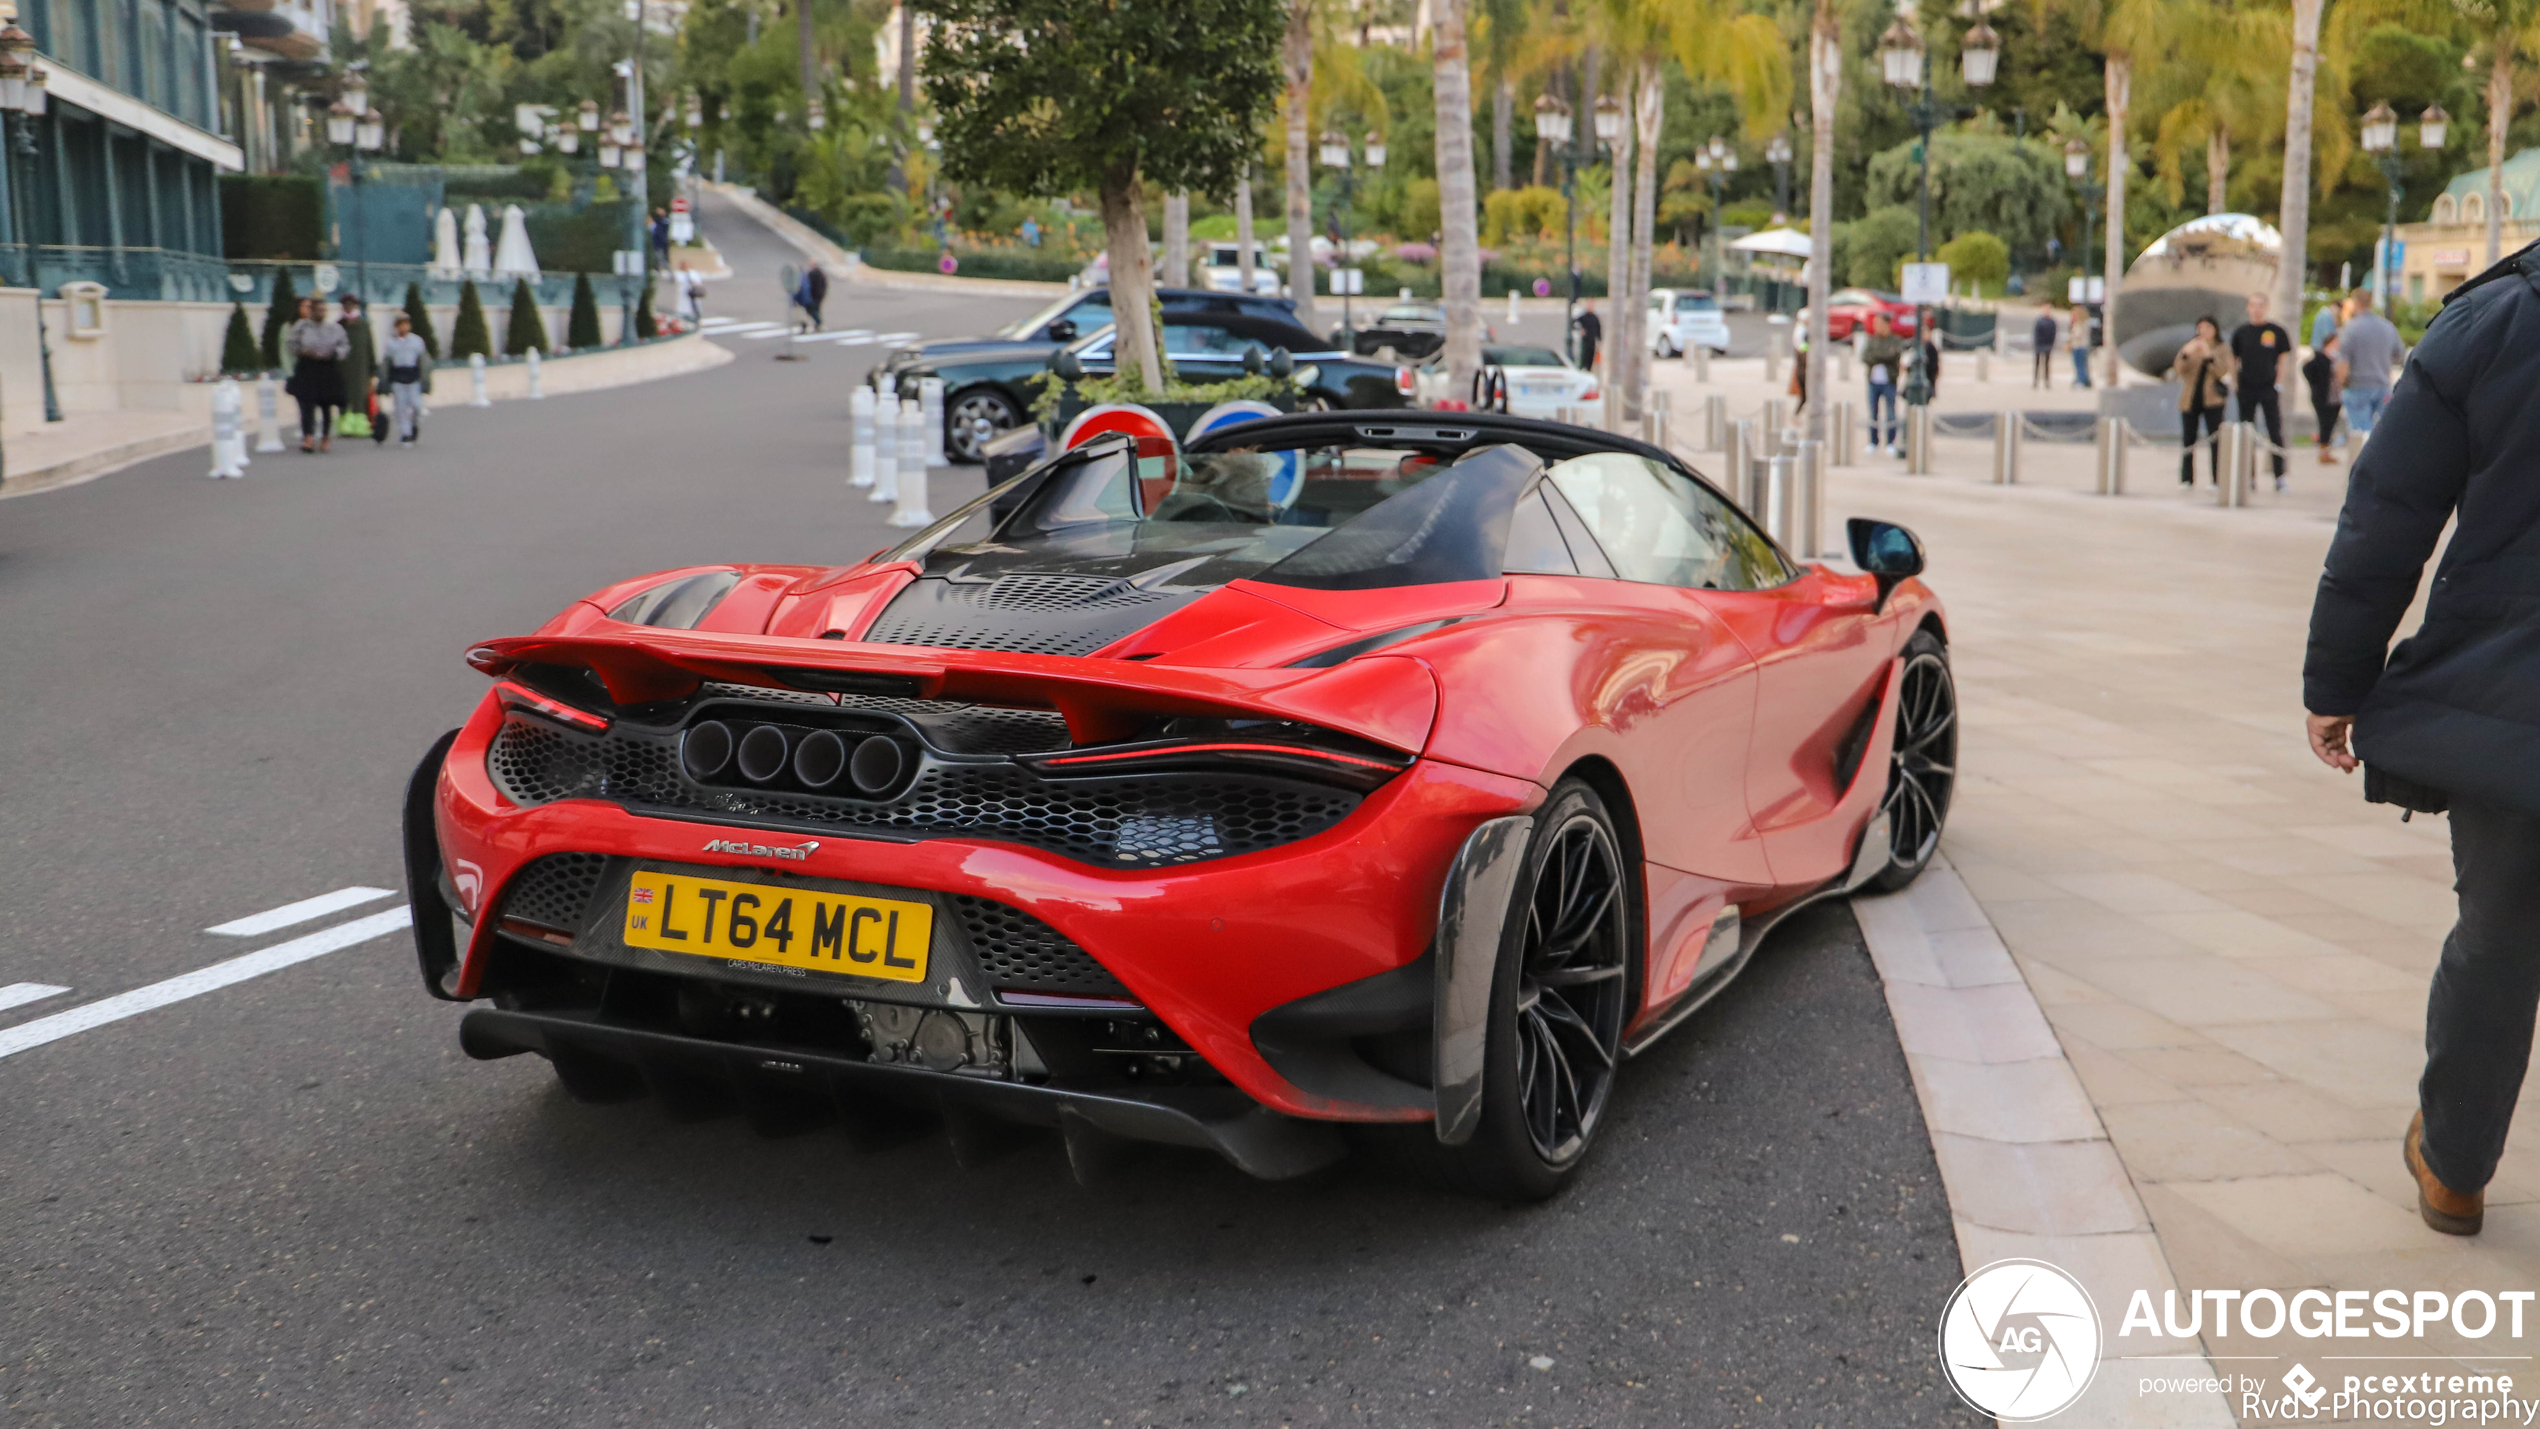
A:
[977,265]
[468,337]
[576,241]
[525,329]
[271,216]
[239,354]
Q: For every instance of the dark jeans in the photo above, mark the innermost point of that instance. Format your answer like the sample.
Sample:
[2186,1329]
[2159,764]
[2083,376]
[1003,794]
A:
[2042,370]
[317,419]
[2478,1017]
[2188,417]
[1882,394]
[2265,401]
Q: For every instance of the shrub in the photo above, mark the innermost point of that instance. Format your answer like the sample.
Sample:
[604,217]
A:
[525,330]
[1511,216]
[583,328]
[271,216]
[572,240]
[645,327]
[1420,212]
[468,337]
[239,353]
[1976,255]
[422,315]
[279,315]
[1876,243]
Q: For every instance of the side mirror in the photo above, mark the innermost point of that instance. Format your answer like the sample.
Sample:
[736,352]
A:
[1886,551]
[1063,330]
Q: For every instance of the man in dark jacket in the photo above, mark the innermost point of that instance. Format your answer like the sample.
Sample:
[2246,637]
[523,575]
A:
[2451,717]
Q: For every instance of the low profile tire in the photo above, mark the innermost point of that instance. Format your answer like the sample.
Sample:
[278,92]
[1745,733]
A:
[1567,981]
[1923,771]
[964,413]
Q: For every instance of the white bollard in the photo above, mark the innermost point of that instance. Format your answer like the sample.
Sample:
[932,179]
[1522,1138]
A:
[930,402]
[229,437]
[268,415]
[476,380]
[886,451]
[860,437]
[912,447]
[1701,358]
[1512,306]
[537,388]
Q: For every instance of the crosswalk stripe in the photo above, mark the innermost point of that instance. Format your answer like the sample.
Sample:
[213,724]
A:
[300,912]
[19,994]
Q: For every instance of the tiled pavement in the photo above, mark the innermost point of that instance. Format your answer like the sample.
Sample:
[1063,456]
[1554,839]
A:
[2230,947]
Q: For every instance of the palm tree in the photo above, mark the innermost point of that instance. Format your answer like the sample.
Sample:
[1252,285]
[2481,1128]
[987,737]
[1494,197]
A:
[1502,27]
[2219,90]
[1299,67]
[1459,245]
[2293,210]
[1825,83]
[2510,27]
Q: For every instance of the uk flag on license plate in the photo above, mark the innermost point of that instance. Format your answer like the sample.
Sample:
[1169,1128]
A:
[642,895]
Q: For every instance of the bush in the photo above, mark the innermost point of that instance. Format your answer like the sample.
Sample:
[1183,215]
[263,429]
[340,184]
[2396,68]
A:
[526,330]
[469,338]
[422,315]
[645,326]
[239,354]
[991,264]
[583,328]
[577,240]
[1875,244]
[1976,255]
[279,315]
[1511,216]
[1420,213]
[271,216]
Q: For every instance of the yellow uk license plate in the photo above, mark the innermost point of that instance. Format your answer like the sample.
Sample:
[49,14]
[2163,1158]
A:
[786,927]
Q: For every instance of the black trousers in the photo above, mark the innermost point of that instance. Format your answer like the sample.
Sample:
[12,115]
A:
[2478,1017]
[2188,417]
[2326,412]
[2265,401]
[2042,370]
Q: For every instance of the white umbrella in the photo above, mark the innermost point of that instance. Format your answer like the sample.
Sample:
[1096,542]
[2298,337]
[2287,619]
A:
[1784,242]
[479,260]
[445,244]
[512,257]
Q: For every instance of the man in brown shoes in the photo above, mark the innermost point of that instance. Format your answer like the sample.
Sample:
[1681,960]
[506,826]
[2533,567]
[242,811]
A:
[2449,1211]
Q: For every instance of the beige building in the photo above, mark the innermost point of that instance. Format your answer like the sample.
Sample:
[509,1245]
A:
[2450,246]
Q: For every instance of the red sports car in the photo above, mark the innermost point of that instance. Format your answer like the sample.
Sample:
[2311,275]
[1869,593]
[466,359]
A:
[1848,310]
[1327,771]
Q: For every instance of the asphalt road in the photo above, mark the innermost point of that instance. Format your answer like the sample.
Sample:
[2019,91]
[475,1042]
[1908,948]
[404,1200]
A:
[292,1201]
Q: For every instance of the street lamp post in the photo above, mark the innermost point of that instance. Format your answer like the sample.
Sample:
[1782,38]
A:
[2380,139]
[1777,152]
[1716,160]
[2077,158]
[1336,155]
[1552,126]
[21,101]
[355,128]
[1901,60]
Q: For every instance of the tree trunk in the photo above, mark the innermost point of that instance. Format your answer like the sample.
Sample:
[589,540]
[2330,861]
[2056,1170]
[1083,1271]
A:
[2500,114]
[1300,74]
[908,57]
[810,55]
[2217,168]
[1459,242]
[1503,104]
[2120,93]
[1177,240]
[1124,231]
[1243,227]
[1825,81]
[2293,210]
[1618,269]
[1653,114]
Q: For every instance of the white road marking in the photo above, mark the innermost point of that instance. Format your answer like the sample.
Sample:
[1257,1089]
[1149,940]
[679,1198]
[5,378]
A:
[202,980]
[815,337]
[897,337]
[256,924]
[716,322]
[775,330]
[19,994]
[749,330]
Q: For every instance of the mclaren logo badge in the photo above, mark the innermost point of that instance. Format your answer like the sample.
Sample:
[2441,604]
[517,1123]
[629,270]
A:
[799,853]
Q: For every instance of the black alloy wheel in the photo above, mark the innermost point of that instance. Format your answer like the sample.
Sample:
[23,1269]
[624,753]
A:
[975,418]
[1923,770]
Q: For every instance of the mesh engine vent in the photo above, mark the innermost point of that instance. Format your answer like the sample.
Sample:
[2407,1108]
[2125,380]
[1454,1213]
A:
[946,636]
[1019,951]
[1026,614]
[556,889]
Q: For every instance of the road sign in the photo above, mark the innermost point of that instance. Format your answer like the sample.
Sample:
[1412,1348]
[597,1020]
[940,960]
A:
[1926,283]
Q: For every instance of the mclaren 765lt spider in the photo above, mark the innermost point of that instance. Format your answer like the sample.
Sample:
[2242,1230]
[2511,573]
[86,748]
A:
[1401,774]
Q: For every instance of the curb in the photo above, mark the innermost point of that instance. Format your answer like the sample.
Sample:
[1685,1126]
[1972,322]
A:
[2029,1169]
[90,466]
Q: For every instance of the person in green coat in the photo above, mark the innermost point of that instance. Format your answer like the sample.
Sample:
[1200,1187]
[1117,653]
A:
[360,362]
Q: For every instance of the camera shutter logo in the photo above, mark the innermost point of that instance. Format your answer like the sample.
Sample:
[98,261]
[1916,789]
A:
[2020,1340]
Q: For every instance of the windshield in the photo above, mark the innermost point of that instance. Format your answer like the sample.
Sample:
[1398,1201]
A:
[1101,302]
[1522,357]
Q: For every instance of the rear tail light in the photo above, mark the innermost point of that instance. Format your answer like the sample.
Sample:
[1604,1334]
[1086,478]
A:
[1591,394]
[1355,764]
[517,696]
[1404,382]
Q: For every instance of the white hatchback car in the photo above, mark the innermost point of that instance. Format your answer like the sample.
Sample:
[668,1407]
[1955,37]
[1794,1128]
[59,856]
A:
[1682,319]
[1540,381]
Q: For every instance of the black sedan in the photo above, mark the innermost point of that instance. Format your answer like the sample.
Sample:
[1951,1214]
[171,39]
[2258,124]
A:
[988,389]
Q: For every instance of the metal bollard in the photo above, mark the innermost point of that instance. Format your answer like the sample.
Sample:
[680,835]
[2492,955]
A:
[2006,448]
[930,401]
[1984,365]
[1715,422]
[1512,307]
[1918,440]
[2240,464]
[1811,505]
[2111,456]
[1769,429]
[911,508]
[1734,452]
[1843,362]
[476,381]
[537,385]
[1654,419]
[1773,359]
[1847,433]
[1779,477]
[229,436]
[886,450]
[860,437]
[268,415]
[1700,357]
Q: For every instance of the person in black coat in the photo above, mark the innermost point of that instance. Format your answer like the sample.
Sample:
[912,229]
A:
[2450,718]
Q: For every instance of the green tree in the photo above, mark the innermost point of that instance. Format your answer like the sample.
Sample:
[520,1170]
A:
[525,329]
[279,316]
[469,337]
[1876,243]
[239,354]
[1978,255]
[1980,182]
[582,329]
[1045,97]
[421,313]
[645,325]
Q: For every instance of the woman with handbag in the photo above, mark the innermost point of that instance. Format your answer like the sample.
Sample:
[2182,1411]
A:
[318,348]
[2204,370]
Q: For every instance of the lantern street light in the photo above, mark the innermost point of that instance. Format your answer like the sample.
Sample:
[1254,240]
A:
[1901,62]
[696,110]
[590,116]
[2380,138]
[2077,165]
[1334,147]
[355,128]
[22,82]
[1777,153]
[1553,127]
[815,114]
[1716,161]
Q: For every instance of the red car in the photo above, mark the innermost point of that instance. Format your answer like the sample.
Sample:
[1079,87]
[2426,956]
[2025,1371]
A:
[1330,771]
[1849,310]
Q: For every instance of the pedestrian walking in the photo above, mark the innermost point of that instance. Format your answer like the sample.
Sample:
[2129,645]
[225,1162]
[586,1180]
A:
[2368,348]
[1881,356]
[2321,373]
[359,362]
[1591,332]
[814,292]
[2203,370]
[2446,719]
[1799,372]
[2041,346]
[2263,353]
[661,238]
[2079,339]
[405,360]
[691,292]
[318,346]
[1927,352]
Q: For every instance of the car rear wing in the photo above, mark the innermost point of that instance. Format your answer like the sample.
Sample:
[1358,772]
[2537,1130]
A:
[1391,700]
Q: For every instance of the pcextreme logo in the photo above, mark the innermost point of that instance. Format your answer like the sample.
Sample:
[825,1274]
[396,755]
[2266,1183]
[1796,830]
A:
[2020,1340]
